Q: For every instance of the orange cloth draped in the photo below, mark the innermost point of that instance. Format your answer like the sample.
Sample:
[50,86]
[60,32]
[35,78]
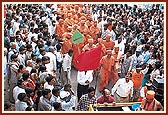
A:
[94,32]
[103,50]
[137,78]
[109,45]
[66,46]
[106,71]
[81,28]
[59,30]
[145,90]
[86,37]
[69,21]
[117,58]
[89,23]
[153,106]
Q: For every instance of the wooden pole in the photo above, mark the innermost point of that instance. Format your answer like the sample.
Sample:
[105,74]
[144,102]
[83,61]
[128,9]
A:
[96,79]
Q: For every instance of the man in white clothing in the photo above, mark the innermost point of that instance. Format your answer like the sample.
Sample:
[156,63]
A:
[137,59]
[84,78]
[66,66]
[123,90]
[120,43]
[18,89]
[68,101]
[53,64]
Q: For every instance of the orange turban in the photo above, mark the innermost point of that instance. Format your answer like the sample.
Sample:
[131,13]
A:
[150,94]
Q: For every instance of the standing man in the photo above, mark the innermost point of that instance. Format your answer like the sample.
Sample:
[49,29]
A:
[107,69]
[45,102]
[66,66]
[13,71]
[86,100]
[89,45]
[137,75]
[84,78]
[123,89]
[108,43]
[117,57]
[126,64]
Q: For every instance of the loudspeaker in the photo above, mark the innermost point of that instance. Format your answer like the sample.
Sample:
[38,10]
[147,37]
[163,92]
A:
[158,85]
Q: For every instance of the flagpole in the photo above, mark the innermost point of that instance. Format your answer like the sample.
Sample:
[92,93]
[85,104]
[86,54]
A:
[78,49]
[97,71]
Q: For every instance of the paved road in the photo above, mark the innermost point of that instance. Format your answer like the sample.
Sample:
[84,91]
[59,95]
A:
[74,84]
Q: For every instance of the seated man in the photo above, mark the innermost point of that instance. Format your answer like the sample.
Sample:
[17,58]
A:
[105,98]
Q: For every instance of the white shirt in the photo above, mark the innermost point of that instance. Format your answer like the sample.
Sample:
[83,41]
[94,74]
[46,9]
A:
[52,60]
[5,66]
[137,60]
[16,27]
[47,86]
[55,99]
[33,45]
[28,68]
[122,88]
[52,30]
[121,46]
[113,35]
[20,106]
[67,106]
[154,74]
[82,77]
[16,92]
[59,56]
[67,62]
[22,59]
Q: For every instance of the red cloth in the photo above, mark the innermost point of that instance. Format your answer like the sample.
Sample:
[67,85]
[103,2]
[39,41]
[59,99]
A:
[102,99]
[89,60]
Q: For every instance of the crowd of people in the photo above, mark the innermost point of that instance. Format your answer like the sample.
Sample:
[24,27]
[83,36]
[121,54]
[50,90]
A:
[39,54]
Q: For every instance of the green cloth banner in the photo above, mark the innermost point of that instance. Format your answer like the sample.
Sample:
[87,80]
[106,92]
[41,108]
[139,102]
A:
[77,37]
